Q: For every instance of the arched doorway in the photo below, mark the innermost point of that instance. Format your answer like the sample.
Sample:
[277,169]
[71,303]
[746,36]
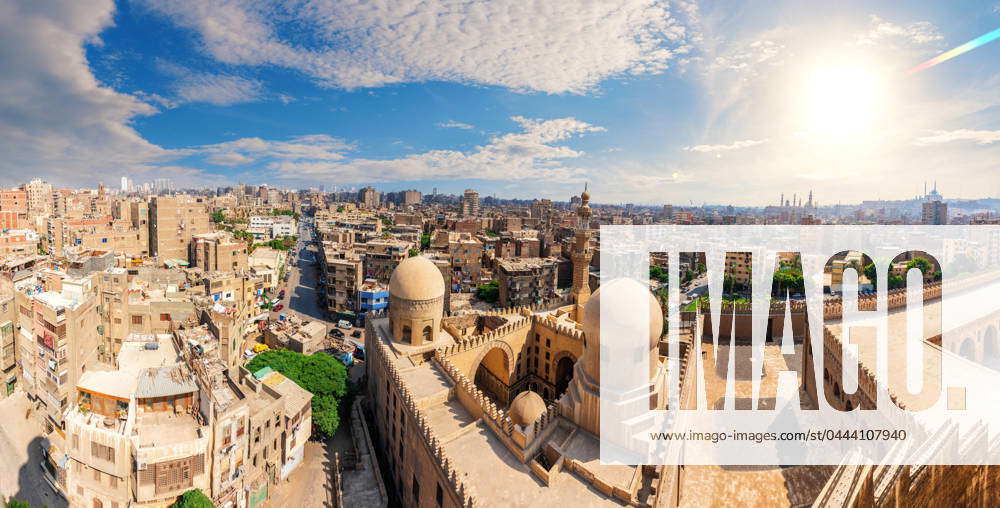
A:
[407,335]
[991,350]
[968,349]
[493,375]
[564,374]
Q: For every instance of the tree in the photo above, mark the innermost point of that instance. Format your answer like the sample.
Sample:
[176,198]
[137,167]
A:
[871,273]
[658,273]
[16,503]
[489,292]
[425,241]
[217,216]
[926,267]
[414,252]
[340,209]
[319,374]
[194,498]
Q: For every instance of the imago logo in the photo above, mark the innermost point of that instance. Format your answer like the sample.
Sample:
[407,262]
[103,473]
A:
[795,344]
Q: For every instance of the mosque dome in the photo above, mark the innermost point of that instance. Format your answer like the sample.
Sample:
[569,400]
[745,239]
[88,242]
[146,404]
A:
[416,278]
[526,408]
[623,294]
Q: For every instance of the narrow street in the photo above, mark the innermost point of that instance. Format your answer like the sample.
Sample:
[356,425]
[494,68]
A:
[21,444]
[311,484]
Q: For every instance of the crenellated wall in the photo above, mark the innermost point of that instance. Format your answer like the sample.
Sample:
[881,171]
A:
[387,371]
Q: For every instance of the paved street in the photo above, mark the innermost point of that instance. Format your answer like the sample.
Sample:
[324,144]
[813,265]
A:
[303,283]
[21,444]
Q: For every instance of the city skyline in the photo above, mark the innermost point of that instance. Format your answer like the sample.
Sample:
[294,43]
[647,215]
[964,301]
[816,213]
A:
[653,107]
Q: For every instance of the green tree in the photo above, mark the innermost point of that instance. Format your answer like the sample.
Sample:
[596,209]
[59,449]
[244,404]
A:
[871,273]
[425,241]
[217,216]
[194,498]
[926,267]
[489,292]
[319,374]
[414,252]
[658,273]
[340,209]
[16,503]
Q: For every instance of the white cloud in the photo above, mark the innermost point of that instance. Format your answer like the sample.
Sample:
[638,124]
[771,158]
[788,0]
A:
[217,89]
[533,153]
[315,147]
[975,136]
[455,125]
[552,47]
[885,33]
[735,145]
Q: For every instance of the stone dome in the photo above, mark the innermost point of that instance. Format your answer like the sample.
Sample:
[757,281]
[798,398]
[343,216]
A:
[622,294]
[416,278]
[526,408]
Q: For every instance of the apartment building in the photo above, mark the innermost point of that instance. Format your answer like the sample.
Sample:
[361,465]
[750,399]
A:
[466,256]
[470,203]
[527,281]
[381,257]
[61,321]
[18,242]
[149,301]
[343,271]
[173,222]
[272,226]
[218,252]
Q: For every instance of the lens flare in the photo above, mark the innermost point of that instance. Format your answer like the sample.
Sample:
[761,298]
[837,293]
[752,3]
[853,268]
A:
[947,55]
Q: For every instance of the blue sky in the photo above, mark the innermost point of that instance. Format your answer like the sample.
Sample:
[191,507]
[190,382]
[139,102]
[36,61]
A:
[649,101]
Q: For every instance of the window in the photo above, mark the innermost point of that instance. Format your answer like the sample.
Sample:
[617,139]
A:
[100,451]
[416,489]
[548,342]
[440,495]
[165,317]
[97,475]
[76,441]
[136,320]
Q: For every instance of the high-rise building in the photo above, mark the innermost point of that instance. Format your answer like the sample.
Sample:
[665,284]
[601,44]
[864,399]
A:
[470,203]
[934,212]
[412,197]
[173,221]
[369,198]
[39,195]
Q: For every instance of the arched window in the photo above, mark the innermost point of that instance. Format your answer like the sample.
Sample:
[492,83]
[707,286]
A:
[427,333]
[98,503]
[407,335]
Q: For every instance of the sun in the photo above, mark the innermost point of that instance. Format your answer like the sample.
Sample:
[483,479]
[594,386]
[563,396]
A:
[841,101]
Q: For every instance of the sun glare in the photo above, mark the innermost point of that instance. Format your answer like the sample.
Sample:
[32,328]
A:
[841,101]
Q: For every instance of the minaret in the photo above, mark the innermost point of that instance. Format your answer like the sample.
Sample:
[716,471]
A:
[582,254]
[809,204]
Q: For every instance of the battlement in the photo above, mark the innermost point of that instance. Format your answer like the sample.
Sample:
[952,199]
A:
[478,340]
[465,493]
[559,328]
[833,308]
[529,309]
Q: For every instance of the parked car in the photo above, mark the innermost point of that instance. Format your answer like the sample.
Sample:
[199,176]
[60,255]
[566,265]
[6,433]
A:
[337,333]
[344,324]
[281,294]
[279,307]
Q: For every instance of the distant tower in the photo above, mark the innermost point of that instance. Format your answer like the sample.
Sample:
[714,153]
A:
[781,202]
[582,254]
[809,203]
[124,184]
